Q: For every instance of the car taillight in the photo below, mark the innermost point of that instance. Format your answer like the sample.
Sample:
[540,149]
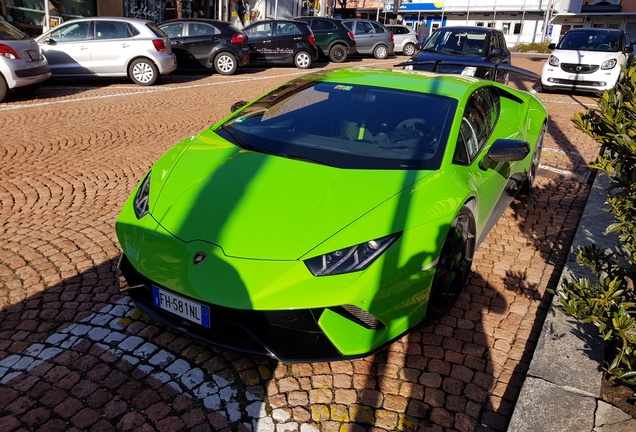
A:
[311,39]
[160,44]
[351,36]
[392,38]
[238,38]
[8,52]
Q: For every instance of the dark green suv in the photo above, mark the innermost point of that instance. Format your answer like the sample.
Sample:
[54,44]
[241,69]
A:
[333,39]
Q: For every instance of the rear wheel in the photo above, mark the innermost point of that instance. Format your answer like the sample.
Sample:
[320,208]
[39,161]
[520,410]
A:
[143,72]
[302,60]
[4,88]
[338,53]
[409,49]
[453,265]
[225,63]
[534,165]
[381,52]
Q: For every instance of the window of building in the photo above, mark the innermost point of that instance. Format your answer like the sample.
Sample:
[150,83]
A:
[479,24]
[517,29]
[505,27]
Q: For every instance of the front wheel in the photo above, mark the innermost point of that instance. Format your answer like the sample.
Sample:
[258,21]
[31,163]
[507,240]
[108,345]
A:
[453,265]
[409,49]
[338,53]
[143,72]
[380,52]
[302,60]
[225,63]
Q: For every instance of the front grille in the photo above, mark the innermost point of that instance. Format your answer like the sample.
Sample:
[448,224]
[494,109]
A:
[577,83]
[290,335]
[579,68]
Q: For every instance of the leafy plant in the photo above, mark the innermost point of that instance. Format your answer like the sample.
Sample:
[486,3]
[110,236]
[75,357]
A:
[610,301]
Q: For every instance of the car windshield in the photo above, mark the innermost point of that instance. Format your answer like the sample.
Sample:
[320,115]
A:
[454,42]
[591,41]
[347,126]
[8,32]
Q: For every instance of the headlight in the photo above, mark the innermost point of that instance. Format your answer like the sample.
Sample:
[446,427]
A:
[553,61]
[408,67]
[140,204]
[469,71]
[608,64]
[350,259]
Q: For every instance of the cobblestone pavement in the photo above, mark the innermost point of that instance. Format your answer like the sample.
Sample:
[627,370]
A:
[76,355]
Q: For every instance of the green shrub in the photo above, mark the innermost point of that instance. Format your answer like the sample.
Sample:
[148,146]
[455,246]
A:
[610,301]
[535,47]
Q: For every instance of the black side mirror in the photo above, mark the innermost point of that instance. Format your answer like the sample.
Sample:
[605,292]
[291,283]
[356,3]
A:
[629,49]
[506,150]
[496,52]
[552,46]
[238,105]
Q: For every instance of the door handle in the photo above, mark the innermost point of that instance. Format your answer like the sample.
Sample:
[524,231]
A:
[267,41]
[125,45]
[297,38]
[83,47]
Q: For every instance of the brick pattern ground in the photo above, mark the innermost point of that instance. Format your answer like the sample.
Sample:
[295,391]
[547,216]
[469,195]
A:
[76,355]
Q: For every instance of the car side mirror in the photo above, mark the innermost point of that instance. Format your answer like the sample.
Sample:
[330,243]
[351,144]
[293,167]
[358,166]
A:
[496,52]
[552,46]
[505,150]
[629,49]
[50,41]
[238,105]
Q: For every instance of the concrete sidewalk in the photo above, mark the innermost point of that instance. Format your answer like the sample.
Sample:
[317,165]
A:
[563,385]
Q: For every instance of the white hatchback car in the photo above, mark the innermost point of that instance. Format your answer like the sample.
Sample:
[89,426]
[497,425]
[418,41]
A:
[21,62]
[109,47]
[587,59]
[405,39]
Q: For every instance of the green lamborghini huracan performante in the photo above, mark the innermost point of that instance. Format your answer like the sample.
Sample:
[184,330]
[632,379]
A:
[328,217]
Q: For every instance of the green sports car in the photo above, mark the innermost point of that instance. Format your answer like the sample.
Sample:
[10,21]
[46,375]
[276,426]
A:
[328,217]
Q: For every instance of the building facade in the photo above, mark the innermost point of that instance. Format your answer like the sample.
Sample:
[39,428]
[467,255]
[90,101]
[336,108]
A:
[522,21]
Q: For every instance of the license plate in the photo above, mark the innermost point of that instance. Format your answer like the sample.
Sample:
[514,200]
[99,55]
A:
[577,78]
[33,55]
[181,306]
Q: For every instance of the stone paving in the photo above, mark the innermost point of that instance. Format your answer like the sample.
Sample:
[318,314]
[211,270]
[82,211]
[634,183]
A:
[76,355]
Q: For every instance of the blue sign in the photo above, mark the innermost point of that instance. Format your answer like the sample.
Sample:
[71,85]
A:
[415,7]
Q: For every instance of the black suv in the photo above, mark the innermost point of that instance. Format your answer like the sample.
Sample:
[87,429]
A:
[333,39]
[463,43]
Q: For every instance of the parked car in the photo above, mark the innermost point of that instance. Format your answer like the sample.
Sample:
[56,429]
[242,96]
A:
[22,64]
[372,37]
[587,59]
[333,39]
[108,47]
[254,235]
[199,42]
[448,45]
[281,42]
[405,39]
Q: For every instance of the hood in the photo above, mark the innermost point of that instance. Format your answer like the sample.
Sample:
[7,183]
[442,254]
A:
[445,57]
[585,57]
[261,206]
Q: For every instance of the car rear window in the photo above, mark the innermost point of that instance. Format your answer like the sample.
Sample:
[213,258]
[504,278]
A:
[348,126]
[153,27]
[8,32]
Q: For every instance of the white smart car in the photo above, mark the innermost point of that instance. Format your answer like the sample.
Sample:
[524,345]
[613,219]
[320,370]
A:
[587,59]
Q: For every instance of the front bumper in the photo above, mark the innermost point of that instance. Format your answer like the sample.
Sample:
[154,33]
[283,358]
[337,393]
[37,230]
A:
[598,82]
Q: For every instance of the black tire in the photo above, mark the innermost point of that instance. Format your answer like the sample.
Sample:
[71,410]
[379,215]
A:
[338,53]
[4,88]
[409,49]
[225,63]
[302,60]
[143,72]
[381,52]
[534,165]
[453,266]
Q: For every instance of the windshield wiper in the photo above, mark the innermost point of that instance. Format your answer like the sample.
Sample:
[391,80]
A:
[237,140]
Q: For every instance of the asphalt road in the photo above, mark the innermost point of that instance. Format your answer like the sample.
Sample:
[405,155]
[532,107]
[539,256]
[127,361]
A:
[76,355]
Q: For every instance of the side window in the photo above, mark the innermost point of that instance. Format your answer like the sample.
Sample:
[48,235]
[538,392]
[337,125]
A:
[72,32]
[363,27]
[378,28]
[287,28]
[260,30]
[479,120]
[111,30]
[502,41]
[174,30]
[201,29]
[321,25]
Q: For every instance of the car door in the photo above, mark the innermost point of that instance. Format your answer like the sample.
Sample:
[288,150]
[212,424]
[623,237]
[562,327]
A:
[288,38]
[364,34]
[113,47]
[202,39]
[67,49]
[259,39]
[479,119]
[178,34]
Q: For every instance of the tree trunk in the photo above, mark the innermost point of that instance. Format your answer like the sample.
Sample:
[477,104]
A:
[178,5]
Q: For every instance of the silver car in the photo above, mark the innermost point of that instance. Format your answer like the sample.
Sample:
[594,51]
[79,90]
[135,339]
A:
[371,37]
[405,39]
[109,47]
[21,61]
